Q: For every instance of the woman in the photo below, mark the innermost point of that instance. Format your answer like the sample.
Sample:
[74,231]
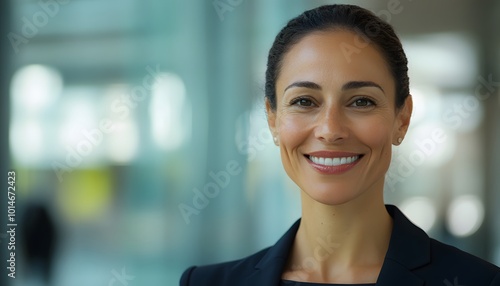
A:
[337,99]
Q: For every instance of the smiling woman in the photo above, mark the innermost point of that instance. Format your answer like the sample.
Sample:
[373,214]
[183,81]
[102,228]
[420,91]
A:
[346,110]
[335,115]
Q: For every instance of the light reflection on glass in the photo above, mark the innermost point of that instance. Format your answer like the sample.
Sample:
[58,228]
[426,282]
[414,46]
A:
[443,59]
[34,88]
[123,142]
[465,215]
[27,141]
[169,113]
[34,92]
[421,211]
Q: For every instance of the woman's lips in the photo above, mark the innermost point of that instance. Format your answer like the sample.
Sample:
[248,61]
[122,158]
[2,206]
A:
[328,162]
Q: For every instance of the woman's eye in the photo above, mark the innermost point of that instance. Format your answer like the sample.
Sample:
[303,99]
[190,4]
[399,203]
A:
[363,102]
[303,102]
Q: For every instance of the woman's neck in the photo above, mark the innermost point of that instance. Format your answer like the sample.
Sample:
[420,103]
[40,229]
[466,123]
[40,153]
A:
[345,243]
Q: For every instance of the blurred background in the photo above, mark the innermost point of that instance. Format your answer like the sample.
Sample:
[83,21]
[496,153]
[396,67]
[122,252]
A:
[139,139]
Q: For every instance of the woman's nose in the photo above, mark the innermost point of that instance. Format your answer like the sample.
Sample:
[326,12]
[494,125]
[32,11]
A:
[331,126]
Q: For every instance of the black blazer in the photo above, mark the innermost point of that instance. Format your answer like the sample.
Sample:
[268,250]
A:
[413,259]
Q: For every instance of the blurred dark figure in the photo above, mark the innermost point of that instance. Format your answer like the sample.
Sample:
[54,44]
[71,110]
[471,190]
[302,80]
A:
[38,241]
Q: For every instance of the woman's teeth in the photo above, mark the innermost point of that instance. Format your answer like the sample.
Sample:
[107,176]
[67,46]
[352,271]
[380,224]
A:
[333,161]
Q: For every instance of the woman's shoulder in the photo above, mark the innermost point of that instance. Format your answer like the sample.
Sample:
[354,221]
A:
[443,251]
[434,262]
[462,265]
[259,268]
[222,273]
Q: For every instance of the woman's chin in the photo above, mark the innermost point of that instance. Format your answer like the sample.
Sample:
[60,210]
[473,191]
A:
[332,198]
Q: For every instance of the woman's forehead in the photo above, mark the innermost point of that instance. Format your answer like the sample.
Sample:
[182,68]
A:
[334,55]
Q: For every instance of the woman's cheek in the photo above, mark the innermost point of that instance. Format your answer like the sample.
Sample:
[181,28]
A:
[374,132]
[292,129]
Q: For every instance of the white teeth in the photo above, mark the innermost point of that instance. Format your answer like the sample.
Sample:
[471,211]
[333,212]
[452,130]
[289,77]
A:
[333,161]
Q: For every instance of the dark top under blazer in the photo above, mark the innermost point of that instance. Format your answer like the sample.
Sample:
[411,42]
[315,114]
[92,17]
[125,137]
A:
[413,259]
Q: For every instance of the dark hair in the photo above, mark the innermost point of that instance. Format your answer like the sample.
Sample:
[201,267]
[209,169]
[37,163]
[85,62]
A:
[350,17]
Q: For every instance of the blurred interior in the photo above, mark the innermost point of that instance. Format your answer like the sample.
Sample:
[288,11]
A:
[116,114]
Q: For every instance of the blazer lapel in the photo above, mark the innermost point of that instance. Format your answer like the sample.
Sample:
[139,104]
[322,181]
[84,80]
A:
[394,274]
[269,269]
[409,248]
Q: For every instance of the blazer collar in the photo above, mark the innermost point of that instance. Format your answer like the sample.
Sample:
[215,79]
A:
[271,266]
[409,248]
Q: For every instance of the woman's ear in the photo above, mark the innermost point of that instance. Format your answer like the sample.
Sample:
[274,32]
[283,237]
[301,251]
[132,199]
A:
[271,120]
[403,119]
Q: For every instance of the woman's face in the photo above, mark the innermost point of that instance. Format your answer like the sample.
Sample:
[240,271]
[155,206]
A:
[336,119]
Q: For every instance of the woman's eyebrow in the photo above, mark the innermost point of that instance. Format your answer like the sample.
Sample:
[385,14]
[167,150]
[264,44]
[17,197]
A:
[306,84]
[360,84]
[346,86]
